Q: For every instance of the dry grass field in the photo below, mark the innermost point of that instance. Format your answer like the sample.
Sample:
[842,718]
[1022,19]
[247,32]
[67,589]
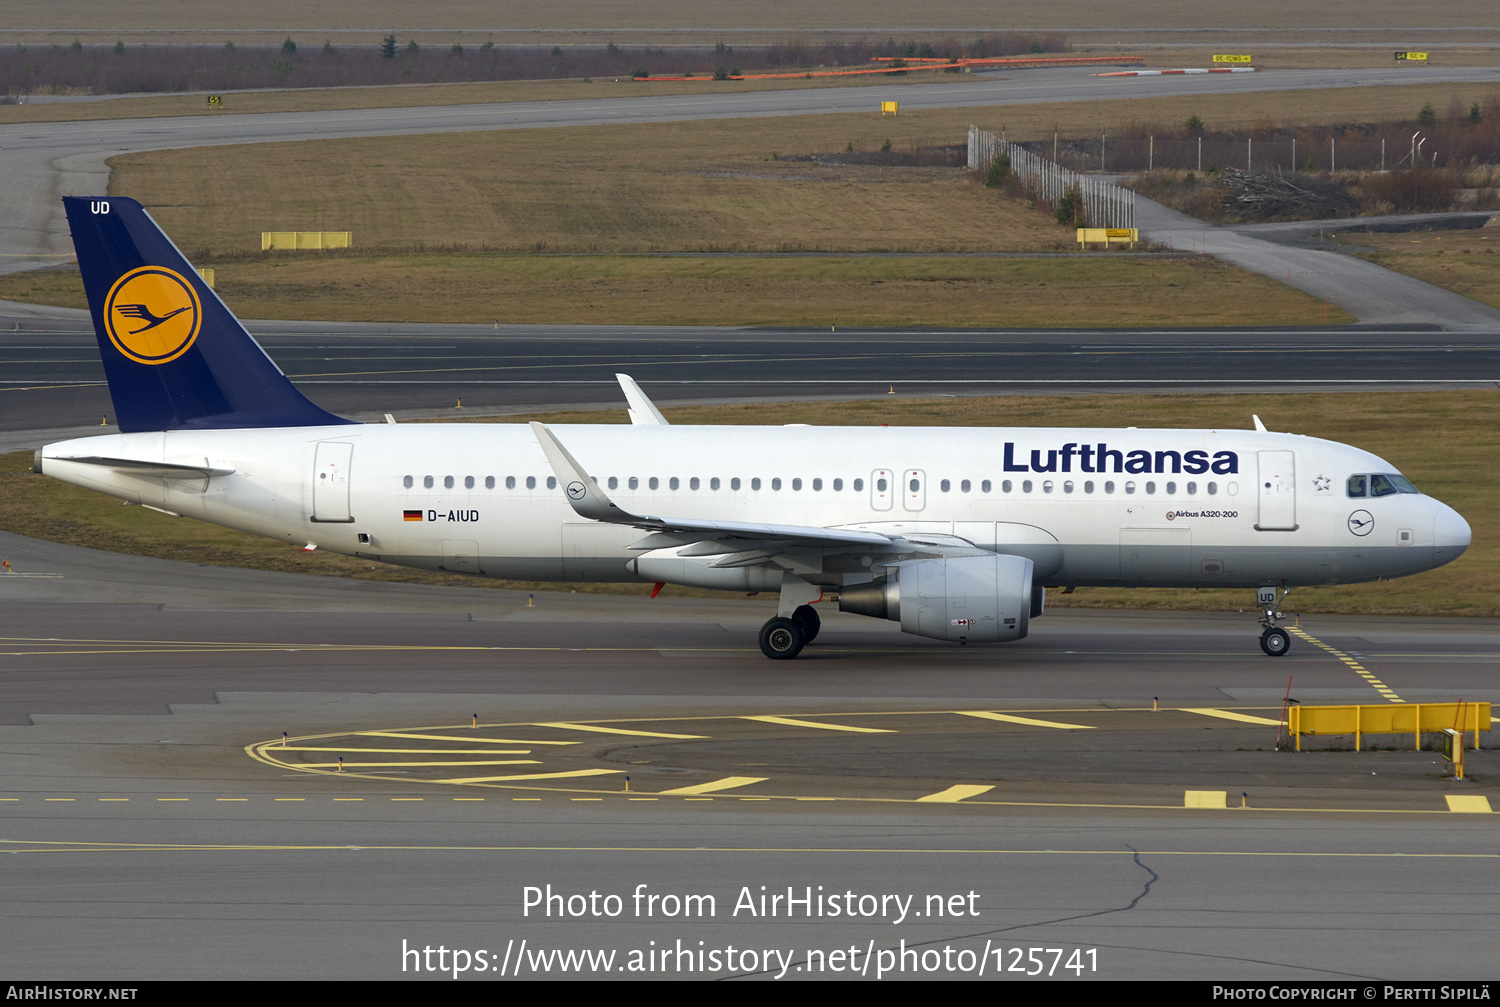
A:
[1467,262]
[1445,442]
[669,187]
[794,290]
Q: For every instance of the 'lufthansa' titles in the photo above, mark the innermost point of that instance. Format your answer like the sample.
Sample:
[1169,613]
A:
[1101,458]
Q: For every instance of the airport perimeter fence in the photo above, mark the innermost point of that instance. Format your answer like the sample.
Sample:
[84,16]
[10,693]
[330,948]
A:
[1134,153]
[1105,204]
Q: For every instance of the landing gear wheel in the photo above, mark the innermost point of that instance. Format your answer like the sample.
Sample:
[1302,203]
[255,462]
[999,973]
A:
[781,639]
[1275,642]
[809,621]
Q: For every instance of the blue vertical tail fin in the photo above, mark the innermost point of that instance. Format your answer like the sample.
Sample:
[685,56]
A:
[174,355]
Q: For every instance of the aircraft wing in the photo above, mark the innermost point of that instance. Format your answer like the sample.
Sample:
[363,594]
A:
[590,501]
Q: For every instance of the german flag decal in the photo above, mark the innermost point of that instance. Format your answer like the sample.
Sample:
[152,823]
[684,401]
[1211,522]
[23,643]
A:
[411,515]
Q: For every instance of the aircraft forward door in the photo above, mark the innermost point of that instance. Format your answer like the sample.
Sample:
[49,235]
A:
[1277,491]
[331,482]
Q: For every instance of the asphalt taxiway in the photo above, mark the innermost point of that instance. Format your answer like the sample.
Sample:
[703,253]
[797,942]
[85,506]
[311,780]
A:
[157,825]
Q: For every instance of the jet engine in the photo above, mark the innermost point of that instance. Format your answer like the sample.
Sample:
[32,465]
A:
[978,599]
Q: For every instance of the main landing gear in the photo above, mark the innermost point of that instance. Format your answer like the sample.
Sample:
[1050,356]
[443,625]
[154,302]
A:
[796,624]
[1274,640]
[783,639]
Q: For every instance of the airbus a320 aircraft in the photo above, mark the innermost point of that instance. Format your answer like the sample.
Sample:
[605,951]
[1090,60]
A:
[951,532]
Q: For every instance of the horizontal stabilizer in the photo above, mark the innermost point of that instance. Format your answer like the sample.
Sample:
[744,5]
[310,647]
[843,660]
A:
[164,469]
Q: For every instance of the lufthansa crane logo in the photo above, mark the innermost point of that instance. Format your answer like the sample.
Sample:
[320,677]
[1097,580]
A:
[1361,522]
[576,490]
[152,315]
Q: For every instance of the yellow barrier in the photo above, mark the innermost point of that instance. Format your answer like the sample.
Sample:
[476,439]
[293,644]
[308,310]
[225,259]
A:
[284,240]
[888,106]
[1231,59]
[1107,235]
[1398,718]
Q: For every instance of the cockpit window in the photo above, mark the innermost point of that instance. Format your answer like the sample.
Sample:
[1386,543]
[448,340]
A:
[1385,485]
[1378,485]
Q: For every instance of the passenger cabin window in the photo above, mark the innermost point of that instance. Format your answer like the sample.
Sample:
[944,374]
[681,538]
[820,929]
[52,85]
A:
[407,482]
[489,482]
[468,482]
[531,482]
[427,482]
[510,482]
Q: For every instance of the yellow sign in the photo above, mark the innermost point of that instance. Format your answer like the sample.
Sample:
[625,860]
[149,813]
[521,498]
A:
[214,99]
[1412,56]
[888,106]
[152,315]
[1231,59]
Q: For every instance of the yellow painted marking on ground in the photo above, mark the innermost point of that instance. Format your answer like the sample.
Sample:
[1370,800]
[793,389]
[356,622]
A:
[1469,803]
[348,798]
[537,776]
[407,751]
[1354,665]
[727,783]
[1205,799]
[793,722]
[643,798]
[525,798]
[454,762]
[291,798]
[585,798]
[59,798]
[1243,718]
[454,737]
[114,799]
[9,798]
[231,798]
[468,798]
[955,793]
[563,726]
[407,798]
[1027,721]
[171,798]
[699,798]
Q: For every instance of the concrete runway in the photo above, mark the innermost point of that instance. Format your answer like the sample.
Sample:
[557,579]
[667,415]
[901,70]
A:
[52,384]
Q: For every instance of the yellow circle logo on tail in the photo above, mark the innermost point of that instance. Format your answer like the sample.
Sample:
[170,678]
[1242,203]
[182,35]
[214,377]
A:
[152,315]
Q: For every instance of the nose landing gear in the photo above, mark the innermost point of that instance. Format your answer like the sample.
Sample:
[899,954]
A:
[1274,640]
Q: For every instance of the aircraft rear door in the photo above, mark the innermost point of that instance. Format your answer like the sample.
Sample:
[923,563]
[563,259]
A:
[914,489]
[331,482]
[1277,491]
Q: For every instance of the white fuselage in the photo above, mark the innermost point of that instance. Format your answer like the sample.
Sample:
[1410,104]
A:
[1197,508]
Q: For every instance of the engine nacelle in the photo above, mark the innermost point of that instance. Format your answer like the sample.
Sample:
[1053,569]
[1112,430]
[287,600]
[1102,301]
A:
[972,599]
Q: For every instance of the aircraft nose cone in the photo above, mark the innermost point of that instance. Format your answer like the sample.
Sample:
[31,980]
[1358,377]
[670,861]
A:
[1451,535]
